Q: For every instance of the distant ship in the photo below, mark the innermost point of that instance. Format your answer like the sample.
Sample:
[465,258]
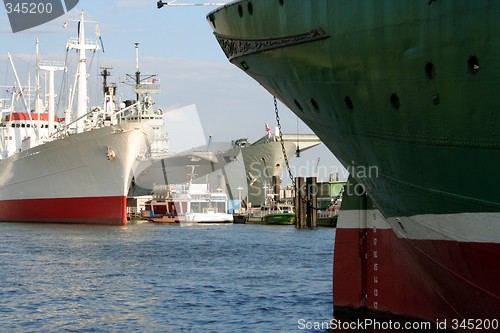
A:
[264,160]
[73,171]
[406,91]
[250,165]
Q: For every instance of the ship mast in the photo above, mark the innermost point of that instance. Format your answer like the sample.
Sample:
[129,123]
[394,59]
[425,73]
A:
[79,44]
[51,67]
[38,100]
[141,87]
[137,77]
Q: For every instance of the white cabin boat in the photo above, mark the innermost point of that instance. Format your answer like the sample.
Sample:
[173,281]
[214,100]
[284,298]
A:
[187,204]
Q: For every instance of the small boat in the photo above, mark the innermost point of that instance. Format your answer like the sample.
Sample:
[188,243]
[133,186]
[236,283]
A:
[187,204]
[329,216]
[273,213]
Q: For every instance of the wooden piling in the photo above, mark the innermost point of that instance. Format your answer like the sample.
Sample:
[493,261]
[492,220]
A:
[300,205]
[312,202]
[276,184]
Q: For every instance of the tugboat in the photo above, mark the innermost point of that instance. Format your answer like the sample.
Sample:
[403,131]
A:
[272,211]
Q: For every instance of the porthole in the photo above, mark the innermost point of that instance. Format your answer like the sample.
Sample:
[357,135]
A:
[348,103]
[298,105]
[315,105]
[240,11]
[473,65]
[430,71]
[395,101]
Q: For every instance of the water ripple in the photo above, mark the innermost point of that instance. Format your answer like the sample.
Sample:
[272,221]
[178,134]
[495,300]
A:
[153,278]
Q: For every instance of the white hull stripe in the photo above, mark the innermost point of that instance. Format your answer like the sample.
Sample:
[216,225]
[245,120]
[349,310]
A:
[463,227]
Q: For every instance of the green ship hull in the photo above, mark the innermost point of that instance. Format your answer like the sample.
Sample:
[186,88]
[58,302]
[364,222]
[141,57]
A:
[366,93]
[405,94]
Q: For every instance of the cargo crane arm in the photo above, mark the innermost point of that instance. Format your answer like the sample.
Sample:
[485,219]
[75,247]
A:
[315,173]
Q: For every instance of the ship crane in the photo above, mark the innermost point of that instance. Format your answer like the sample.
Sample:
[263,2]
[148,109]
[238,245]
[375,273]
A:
[315,173]
[160,4]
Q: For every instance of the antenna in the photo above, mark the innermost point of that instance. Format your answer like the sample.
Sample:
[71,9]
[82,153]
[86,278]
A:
[160,4]
[105,73]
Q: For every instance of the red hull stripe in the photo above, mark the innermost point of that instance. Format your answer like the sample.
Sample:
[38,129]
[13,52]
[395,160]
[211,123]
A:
[34,116]
[376,273]
[89,210]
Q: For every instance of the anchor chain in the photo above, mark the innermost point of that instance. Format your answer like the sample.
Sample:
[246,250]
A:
[304,200]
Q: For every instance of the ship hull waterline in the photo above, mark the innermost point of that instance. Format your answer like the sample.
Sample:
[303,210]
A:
[398,90]
[74,179]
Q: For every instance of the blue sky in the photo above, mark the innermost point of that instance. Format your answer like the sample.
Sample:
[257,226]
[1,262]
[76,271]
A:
[176,43]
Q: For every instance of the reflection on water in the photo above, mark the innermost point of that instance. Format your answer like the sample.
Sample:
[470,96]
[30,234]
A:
[158,278]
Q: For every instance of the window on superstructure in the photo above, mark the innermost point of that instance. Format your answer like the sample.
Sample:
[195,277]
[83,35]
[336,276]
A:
[195,207]
[46,126]
[23,125]
[221,207]
[160,209]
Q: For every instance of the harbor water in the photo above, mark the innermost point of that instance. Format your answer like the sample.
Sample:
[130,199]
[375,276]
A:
[158,278]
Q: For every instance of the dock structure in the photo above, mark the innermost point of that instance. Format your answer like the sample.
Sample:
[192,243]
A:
[300,205]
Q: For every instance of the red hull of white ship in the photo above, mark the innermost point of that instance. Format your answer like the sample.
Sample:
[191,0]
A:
[91,210]
[82,178]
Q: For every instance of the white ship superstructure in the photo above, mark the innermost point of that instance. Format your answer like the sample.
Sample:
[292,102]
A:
[144,112]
